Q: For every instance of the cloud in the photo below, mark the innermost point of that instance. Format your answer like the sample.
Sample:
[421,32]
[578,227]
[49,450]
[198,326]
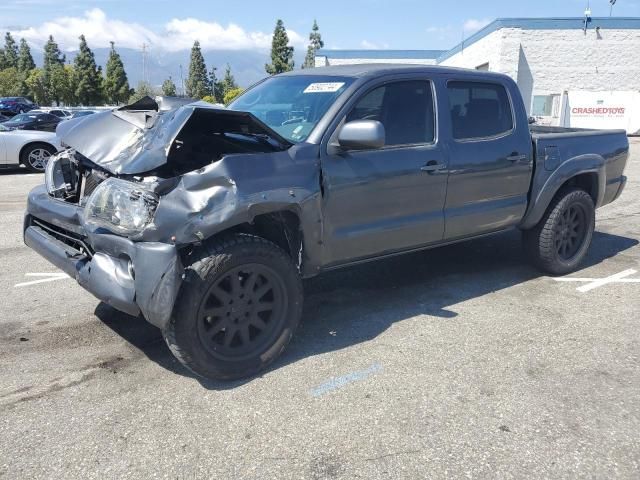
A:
[373,46]
[474,24]
[178,34]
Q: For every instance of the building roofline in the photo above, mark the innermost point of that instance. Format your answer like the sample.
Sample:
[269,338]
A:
[552,23]
[381,54]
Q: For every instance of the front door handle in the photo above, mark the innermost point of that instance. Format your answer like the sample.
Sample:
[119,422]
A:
[433,166]
[516,157]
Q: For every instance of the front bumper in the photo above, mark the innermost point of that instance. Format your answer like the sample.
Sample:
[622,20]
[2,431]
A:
[134,277]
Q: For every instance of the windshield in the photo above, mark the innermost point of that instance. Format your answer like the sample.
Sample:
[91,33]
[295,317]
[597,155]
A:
[23,118]
[292,105]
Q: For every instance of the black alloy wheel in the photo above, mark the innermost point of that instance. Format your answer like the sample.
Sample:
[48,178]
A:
[242,312]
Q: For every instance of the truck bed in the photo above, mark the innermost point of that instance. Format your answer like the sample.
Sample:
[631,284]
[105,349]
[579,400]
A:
[557,149]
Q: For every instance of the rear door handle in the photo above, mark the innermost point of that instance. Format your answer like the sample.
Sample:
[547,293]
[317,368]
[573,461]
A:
[516,157]
[433,166]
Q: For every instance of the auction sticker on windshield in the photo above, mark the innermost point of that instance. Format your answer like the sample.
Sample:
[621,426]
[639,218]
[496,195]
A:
[324,87]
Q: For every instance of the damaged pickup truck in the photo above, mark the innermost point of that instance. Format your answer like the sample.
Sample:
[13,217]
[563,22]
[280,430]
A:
[205,220]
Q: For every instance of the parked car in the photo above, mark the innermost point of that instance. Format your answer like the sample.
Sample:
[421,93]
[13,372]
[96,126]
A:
[205,220]
[29,148]
[63,114]
[45,122]
[82,113]
[3,118]
[10,106]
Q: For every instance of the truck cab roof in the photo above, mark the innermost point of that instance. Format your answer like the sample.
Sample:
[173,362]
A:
[377,69]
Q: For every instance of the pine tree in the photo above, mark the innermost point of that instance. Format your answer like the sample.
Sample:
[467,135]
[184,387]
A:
[25,60]
[217,88]
[315,44]
[228,81]
[116,84]
[10,52]
[52,63]
[281,52]
[87,75]
[25,66]
[198,80]
[169,88]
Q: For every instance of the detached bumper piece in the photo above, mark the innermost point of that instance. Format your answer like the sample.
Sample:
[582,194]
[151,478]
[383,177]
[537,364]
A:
[133,277]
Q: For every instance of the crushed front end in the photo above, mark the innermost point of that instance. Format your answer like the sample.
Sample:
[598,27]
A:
[63,223]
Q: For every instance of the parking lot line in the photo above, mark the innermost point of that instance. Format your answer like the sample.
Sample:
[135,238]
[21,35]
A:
[592,283]
[47,277]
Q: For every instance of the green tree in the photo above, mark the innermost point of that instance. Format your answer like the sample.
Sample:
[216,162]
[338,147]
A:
[116,84]
[9,82]
[232,94]
[228,82]
[25,65]
[25,60]
[315,44]
[53,62]
[217,88]
[10,52]
[281,52]
[143,89]
[87,75]
[169,88]
[198,79]
[37,87]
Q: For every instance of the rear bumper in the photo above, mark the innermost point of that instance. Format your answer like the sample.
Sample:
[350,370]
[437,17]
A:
[134,277]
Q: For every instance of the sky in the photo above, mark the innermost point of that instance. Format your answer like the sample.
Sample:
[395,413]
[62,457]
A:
[345,24]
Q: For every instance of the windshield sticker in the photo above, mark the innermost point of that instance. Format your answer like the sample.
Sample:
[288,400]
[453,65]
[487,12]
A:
[324,87]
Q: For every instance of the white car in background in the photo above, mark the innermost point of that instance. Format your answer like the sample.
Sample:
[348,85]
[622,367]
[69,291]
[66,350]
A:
[30,148]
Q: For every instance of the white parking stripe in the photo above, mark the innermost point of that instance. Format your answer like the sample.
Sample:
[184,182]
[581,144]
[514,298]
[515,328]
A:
[48,277]
[592,283]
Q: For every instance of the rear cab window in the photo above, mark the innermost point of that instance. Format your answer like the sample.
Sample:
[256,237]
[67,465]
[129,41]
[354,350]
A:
[405,108]
[479,110]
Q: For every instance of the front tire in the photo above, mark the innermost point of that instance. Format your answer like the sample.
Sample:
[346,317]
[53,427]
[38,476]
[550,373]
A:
[238,307]
[560,241]
[35,156]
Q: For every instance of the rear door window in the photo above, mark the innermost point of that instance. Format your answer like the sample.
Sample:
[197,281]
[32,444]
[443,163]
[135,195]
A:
[479,110]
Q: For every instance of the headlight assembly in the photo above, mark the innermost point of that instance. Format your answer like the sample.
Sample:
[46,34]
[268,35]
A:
[121,207]
[61,175]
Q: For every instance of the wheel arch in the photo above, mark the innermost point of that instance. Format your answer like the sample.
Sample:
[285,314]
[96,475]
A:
[586,172]
[281,227]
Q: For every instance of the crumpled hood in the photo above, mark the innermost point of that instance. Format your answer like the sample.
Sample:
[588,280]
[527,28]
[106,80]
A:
[137,138]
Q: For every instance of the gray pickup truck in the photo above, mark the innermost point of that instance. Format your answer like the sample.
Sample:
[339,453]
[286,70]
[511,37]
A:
[205,220]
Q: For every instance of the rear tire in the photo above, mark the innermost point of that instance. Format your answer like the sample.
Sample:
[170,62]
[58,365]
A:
[560,241]
[238,307]
[35,156]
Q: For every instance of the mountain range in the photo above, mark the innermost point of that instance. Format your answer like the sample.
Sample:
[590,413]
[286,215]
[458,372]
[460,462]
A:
[247,66]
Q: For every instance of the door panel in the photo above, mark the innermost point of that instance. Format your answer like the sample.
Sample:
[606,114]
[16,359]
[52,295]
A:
[490,161]
[382,201]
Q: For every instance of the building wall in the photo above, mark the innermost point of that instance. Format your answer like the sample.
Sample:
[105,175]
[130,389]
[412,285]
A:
[552,61]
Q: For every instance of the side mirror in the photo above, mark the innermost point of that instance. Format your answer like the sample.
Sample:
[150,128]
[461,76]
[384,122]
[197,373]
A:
[361,135]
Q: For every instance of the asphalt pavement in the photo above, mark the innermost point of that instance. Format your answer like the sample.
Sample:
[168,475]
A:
[460,362]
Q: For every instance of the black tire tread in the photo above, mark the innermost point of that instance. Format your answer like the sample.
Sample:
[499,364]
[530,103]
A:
[539,241]
[207,258]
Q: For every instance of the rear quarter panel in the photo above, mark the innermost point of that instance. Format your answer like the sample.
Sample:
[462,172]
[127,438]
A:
[563,155]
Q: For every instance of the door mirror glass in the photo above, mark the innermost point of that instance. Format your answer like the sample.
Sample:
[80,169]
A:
[362,135]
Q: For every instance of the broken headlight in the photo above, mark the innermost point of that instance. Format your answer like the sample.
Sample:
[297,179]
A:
[121,207]
[61,175]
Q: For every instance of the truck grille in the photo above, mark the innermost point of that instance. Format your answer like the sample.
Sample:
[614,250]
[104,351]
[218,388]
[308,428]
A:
[73,240]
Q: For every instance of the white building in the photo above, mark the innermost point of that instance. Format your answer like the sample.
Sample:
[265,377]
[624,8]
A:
[570,71]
